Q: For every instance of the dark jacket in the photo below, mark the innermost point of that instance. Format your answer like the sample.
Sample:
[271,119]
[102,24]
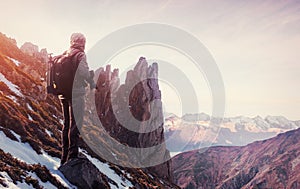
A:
[82,76]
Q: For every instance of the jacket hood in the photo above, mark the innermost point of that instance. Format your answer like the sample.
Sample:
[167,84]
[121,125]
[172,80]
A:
[77,41]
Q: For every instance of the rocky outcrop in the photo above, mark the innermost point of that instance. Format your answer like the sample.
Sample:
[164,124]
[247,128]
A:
[30,49]
[43,55]
[83,174]
[11,40]
[33,50]
[132,112]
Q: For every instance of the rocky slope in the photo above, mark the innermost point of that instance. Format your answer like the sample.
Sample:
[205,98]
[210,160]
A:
[30,128]
[272,163]
[193,131]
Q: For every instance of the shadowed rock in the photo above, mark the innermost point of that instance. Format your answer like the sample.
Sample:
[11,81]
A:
[83,174]
[132,113]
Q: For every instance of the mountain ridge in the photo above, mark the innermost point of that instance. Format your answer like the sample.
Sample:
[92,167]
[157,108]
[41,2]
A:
[261,164]
[194,131]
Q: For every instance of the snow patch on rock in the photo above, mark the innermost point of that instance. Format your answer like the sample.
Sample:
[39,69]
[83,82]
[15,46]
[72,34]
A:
[10,85]
[16,62]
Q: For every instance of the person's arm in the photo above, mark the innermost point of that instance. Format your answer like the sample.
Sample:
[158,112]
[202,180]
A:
[83,70]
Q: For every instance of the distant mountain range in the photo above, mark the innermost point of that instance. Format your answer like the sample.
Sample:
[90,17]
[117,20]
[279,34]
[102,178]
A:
[272,163]
[193,131]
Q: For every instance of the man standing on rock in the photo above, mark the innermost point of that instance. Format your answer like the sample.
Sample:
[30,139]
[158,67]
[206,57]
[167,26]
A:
[73,104]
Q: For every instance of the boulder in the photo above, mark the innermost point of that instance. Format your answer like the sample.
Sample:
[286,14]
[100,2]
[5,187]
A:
[83,174]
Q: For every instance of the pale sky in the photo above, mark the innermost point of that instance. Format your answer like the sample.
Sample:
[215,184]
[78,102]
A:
[254,43]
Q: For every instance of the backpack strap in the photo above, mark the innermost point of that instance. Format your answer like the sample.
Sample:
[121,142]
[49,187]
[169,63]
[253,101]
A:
[75,63]
[75,60]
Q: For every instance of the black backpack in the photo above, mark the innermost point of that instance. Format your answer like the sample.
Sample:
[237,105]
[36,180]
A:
[60,74]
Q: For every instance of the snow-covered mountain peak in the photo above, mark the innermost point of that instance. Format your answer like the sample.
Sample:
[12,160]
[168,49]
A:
[234,131]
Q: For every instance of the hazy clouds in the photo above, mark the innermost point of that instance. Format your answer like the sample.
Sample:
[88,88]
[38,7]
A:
[255,43]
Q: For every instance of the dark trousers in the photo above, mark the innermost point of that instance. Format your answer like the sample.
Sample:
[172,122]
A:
[70,132]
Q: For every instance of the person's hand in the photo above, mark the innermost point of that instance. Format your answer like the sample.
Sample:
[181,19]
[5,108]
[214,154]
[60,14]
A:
[91,80]
[93,86]
[92,74]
